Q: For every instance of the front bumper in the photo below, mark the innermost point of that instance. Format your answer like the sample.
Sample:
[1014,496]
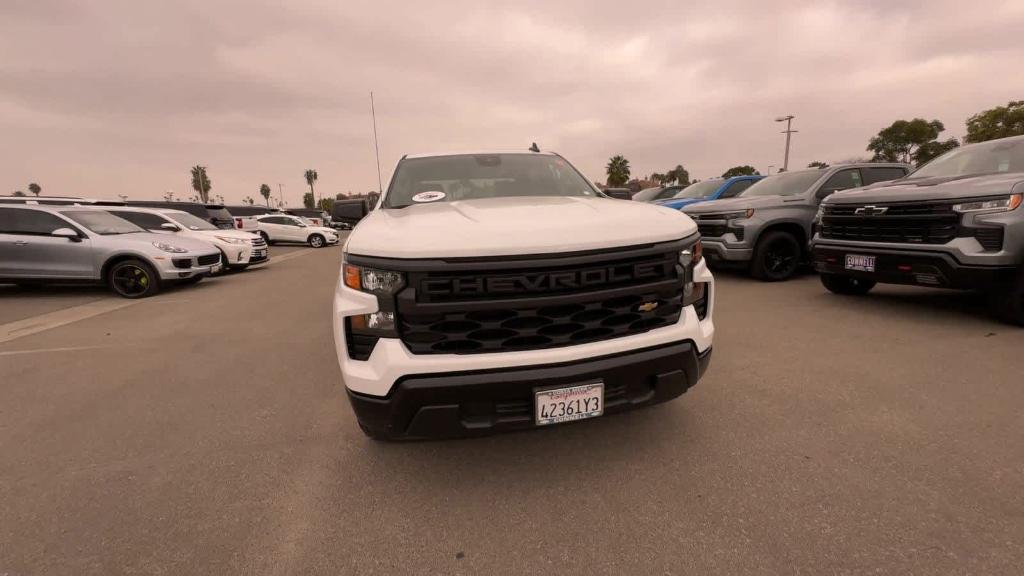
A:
[914,267]
[469,403]
[183,267]
[722,251]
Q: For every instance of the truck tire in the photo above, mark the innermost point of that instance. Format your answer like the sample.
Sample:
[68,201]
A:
[776,257]
[317,241]
[133,278]
[847,285]
[1007,302]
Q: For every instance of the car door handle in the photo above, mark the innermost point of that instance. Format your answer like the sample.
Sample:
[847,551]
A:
[20,243]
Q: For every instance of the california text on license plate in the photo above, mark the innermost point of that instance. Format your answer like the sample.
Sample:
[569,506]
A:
[568,404]
[858,262]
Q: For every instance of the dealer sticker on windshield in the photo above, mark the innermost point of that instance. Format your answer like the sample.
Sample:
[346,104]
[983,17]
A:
[567,404]
[429,196]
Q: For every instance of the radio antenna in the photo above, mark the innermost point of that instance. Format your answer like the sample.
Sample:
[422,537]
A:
[376,148]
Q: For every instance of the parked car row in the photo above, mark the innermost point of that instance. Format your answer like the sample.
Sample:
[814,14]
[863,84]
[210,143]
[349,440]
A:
[137,247]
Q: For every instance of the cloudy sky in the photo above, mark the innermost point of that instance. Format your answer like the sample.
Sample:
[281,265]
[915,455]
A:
[112,97]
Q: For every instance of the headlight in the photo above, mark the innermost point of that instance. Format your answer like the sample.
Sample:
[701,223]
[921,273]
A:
[231,240]
[381,282]
[1002,204]
[169,248]
[821,212]
[738,215]
[693,255]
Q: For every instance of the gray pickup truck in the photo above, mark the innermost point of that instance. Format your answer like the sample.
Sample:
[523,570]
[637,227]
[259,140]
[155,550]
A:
[769,226]
[954,223]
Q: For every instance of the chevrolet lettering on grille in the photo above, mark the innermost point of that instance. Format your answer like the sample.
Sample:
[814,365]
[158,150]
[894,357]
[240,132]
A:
[543,281]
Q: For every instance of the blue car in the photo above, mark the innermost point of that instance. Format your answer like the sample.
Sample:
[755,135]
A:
[713,189]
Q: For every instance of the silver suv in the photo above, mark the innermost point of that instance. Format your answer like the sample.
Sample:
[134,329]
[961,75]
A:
[81,244]
[768,227]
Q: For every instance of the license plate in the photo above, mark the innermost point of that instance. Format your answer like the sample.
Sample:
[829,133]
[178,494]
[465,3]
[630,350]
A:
[215,268]
[567,404]
[860,263]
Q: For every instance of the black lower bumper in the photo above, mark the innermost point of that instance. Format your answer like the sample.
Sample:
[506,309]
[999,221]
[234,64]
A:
[917,268]
[481,402]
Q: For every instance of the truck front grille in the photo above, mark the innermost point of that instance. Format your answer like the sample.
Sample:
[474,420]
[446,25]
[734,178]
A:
[544,303]
[901,223]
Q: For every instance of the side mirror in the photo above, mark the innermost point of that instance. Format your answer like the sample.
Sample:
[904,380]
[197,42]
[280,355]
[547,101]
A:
[350,211]
[169,226]
[620,193]
[66,233]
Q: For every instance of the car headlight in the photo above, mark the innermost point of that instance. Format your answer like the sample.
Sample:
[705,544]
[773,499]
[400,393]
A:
[693,255]
[999,204]
[821,212]
[372,280]
[169,248]
[738,215]
[231,240]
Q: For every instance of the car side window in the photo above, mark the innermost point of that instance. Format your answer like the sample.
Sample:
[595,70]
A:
[882,174]
[736,188]
[842,180]
[141,219]
[29,222]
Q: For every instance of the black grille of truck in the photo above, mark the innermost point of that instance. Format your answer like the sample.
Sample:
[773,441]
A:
[546,302]
[901,223]
[711,230]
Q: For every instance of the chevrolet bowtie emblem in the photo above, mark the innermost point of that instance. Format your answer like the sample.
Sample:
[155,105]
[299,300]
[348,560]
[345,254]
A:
[871,210]
[647,306]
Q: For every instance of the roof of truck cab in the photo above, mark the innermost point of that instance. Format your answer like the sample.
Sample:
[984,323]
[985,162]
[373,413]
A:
[480,153]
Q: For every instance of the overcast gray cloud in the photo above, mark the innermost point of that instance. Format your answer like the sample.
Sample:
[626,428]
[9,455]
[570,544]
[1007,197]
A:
[123,96]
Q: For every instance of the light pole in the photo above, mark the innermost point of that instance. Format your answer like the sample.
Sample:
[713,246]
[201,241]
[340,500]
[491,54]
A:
[788,119]
[280,194]
[770,166]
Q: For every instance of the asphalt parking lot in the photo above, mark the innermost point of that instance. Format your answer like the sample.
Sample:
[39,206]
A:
[205,431]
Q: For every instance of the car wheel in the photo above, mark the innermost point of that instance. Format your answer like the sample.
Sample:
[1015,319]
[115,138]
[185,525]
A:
[266,237]
[848,285]
[1007,302]
[317,241]
[776,257]
[133,279]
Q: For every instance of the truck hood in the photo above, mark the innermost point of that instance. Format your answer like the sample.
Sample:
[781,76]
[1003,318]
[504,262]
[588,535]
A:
[740,203]
[680,203]
[513,226]
[946,188]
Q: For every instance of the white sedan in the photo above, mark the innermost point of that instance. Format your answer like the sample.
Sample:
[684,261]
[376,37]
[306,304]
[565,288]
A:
[286,228]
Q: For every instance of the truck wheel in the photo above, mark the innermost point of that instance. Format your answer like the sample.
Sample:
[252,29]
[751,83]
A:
[317,241]
[848,285]
[776,257]
[1007,302]
[133,279]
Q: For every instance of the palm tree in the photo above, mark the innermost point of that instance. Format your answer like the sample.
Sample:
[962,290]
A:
[35,188]
[618,171]
[679,175]
[248,200]
[265,192]
[201,183]
[310,179]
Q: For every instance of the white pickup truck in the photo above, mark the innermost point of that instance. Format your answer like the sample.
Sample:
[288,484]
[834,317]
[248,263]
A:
[499,291]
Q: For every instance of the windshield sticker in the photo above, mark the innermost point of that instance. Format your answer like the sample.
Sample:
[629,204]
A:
[429,196]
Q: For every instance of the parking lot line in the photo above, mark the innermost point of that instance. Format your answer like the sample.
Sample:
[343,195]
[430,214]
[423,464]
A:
[28,326]
[48,350]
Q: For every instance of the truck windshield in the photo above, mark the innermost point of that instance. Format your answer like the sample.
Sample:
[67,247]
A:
[471,176]
[699,190]
[986,158]
[786,184]
[103,223]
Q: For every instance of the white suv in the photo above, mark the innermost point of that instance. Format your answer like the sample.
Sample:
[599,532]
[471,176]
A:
[497,291]
[287,228]
[239,249]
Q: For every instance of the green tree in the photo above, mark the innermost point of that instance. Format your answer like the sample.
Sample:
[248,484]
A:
[265,192]
[617,170]
[18,193]
[326,204]
[311,177]
[740,171]
[818,164]
[999,122]
[248,200]
[678,175]
[35,188]
[902,141]
[201,183]
[930,150]
[308,201]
